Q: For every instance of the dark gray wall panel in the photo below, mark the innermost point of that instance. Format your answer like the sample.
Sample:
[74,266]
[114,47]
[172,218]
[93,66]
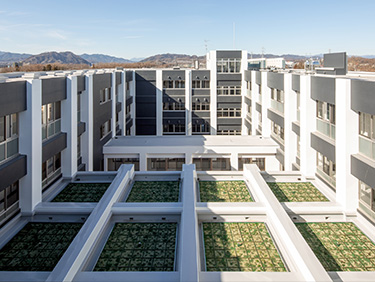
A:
[118,78]
[129,101]
[337,61]
[228,54]
[320,144]
[145,110]
[247,75]
[206,99]
[12,170]
[275,117]
[98,151]
[258,77]
[173,114]
[228,127]
[296,128]
[363,169]
[323,89]
[145,126]
[280,156]
[53,90]
[247,101]
[173,99]
[148,75]
[53,146]
[200,114]
[258,107]
[174,92]
[229,76]
[229,105]
[296,82]
[275,80]
[247,123]
[102,114]
[129,123]
[118,107]
[200,92]
[200,120]
[145,88]
[363,96]
[229,99]
[129,76]
[173,75]
[200,74]
[81,83]
[229,83]
[233,121]
[12,97]
[81,128]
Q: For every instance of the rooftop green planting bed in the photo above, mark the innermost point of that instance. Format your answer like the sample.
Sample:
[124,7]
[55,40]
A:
[296,192]
[82,192]
[139,247]
[241,246]
[38,246]
[224,191]
[339,246]
[154,191]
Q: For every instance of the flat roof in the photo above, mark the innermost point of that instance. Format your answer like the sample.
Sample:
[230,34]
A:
[194,140]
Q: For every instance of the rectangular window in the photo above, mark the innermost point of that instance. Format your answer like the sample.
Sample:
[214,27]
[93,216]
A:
[51,170]
[8,137]
[326,169]
[51,120]
[229,90]
[105,129]
[114,164]
[229,112]
[367,200]
[326,119]
[178,129]
[277,131]
[173,84]
[215,164]
[260,162]
[203,128]
[165,164]
[9,201]
[228,65]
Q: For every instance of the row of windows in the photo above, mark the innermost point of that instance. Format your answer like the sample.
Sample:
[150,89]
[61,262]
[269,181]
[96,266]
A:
[228,90]
[248,85]
[114,164]
[228,112]
[9,198]
[201,128]
[8,137]
[174,128]
[326,168]
[173,84]
[228,132]
[200,106]
[325,111]
[277,95]
[173,106]
[277,131]
[165,164]
[228,65]
[367,197]
[197,84]
[105,95]
[367,125]
[51,169]
[105,129]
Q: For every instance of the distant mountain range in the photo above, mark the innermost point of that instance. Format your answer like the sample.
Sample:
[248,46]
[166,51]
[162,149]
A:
[71,58]
[55,57]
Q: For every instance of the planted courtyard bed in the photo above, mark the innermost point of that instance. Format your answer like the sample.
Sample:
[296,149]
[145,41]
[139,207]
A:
[224,191]
[154,191]
[242,246]
[82,192]
[339,246]
[296,192]
[38,246]
[139,247]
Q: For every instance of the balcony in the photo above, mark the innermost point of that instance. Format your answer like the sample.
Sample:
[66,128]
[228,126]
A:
[51,129]
[326,128]
[367,147]
[8,148]
[278,106]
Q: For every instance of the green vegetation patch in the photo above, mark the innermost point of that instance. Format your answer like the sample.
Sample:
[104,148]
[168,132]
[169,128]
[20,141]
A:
[243,246]
[82,192]
[139,247]
[38,246]
[339,246]
[296,192]
[154,191]
[224,191]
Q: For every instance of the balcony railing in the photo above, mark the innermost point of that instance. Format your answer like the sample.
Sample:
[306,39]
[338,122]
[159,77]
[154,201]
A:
[50,178]
[51,129]
[8,148]
[278,106]
[367,147]
[298,115]
[326,177]
[326,128]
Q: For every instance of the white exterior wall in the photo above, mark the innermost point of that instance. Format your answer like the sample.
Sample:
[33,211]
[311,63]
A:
[289,116]
[347,143]
[133,106]
[113,102]
[122,100]
[69,124]
[243,92]
[254,97]
[30,144]
[159,103]
[211,65]
[87,116]
[266,104]
[188,101]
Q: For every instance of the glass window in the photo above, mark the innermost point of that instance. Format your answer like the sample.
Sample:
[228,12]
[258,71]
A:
[365,194]
[2,129]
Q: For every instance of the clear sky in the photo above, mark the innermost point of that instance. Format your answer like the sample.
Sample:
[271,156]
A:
[139,28]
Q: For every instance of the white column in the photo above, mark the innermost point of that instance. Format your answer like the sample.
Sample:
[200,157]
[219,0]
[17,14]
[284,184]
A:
[289,113]
[243,92]
[132,88]
[347,140]
[266,104]
[142,161]
[30,144]
[308,125]
[188,158]
[122,99]
[211,65]
[159,103]
[188,120]
[87,116]
[254,99]
[234,160]
[69,125]
[114,93]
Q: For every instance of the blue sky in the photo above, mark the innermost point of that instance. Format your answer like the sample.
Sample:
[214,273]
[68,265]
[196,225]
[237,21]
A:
[143,28]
